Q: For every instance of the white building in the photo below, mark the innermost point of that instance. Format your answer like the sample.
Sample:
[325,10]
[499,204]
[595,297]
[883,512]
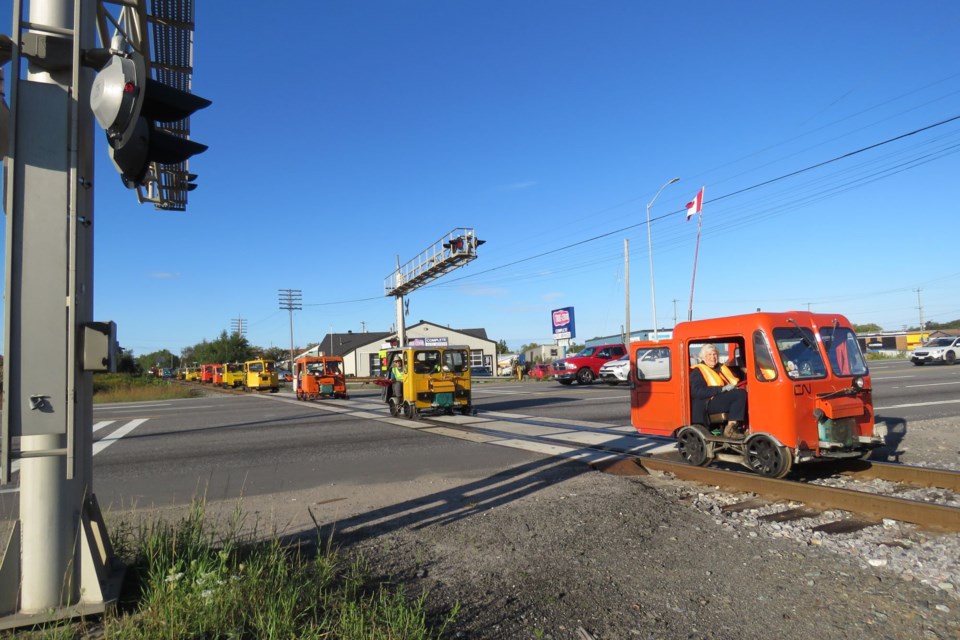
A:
[361,351]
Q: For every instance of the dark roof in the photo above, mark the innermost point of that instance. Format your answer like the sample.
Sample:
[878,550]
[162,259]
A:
[344,343]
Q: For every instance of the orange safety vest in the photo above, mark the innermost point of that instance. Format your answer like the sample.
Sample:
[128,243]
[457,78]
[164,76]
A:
[715,379]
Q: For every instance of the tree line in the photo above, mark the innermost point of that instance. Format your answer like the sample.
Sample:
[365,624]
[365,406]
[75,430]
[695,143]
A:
[231,347]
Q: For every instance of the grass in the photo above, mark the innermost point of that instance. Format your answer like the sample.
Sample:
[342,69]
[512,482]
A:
[886,356]
[124,387]
[184,581]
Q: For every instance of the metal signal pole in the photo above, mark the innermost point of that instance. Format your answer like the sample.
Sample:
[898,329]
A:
[58,562]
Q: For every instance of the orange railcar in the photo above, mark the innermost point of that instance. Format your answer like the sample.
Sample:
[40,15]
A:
[319,377]
[206,372]
[808,390]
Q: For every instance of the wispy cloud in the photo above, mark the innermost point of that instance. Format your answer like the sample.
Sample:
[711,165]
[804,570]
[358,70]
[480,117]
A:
[517,186]
[553,295]
[484,292]
[164,275]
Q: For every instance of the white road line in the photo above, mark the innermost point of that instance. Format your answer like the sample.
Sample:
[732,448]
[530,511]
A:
[931,384]
[157,408]
[103,423]
[915,404]
[103,443]
[127,405]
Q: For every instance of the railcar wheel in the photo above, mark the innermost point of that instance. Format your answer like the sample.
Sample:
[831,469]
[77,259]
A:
[394,407]
[408,410]
[692,443]
[767,458]
[584,376]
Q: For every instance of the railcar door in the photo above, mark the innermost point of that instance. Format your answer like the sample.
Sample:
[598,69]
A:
[655,400]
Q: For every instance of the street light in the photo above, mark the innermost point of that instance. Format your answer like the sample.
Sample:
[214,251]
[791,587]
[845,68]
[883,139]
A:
[653,293]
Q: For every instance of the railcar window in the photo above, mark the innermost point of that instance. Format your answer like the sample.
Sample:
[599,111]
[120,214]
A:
[426,362]
[799,353]
[653,364]
[270,365]
[455,361]
[255,367]
[843,351]
[764,367]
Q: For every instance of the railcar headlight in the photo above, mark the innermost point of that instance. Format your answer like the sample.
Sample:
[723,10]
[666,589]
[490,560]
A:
[858,383]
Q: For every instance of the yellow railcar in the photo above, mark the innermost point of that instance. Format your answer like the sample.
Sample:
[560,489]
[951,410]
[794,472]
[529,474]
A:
[435,380]
[261,375]
[234,374]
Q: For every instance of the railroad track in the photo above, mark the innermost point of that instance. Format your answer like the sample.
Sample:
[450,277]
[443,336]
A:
[869,508]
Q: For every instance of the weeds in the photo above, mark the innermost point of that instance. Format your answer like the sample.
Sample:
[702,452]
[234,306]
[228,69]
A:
[122,387]
[185,581]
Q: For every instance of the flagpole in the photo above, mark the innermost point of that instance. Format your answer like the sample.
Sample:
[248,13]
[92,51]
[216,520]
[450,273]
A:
[695,254]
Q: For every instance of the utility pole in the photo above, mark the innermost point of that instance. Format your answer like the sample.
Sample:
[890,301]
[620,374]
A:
[291,300]
[920,308]
[675,312]
[236,326]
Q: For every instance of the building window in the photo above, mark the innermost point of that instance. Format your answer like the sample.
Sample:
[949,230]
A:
[476,357]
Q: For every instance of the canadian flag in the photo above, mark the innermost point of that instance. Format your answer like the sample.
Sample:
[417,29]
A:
[695,206]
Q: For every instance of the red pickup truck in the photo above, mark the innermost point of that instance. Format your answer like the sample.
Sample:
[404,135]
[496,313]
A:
[584,367]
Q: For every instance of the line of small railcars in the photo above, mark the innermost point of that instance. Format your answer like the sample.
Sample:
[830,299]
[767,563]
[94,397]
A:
[252,375]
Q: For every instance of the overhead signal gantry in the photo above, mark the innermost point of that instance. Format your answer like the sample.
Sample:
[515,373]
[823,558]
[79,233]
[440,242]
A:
[450,252]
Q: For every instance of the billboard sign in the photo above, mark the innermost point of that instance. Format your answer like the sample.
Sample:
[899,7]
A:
[563,324]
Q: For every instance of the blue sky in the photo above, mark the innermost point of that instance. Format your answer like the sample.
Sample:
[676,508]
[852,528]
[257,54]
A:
[344,134]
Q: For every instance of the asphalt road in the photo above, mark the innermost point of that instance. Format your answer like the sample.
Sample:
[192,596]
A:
[224,447]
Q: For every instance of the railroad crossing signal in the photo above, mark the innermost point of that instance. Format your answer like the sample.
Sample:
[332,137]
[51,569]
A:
[132,107]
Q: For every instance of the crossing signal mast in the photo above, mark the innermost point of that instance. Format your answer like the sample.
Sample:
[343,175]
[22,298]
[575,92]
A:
[450,252]
[58,562]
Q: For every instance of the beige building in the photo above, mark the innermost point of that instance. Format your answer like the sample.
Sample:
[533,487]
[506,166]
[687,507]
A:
[361,351]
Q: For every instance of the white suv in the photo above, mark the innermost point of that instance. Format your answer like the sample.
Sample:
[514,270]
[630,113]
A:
[616,371]
[943,350]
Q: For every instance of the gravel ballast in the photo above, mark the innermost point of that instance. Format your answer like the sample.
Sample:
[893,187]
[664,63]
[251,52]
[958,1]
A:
[560,551]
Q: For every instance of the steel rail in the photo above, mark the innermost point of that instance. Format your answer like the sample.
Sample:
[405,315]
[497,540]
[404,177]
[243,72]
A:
[872,506]
[918,476]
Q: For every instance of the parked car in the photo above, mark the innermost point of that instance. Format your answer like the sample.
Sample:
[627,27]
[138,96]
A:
[943,350]
[653,364]
[284,375]
[616,371]
[540,371]
[476,372]
[584,367]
